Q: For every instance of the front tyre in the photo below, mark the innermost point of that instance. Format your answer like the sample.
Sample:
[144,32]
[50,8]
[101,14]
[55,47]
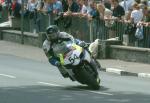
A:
[86,75]
[92,81]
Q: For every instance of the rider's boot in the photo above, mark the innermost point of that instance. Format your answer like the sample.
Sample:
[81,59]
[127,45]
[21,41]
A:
[98,66]
[63,72]
[95,64]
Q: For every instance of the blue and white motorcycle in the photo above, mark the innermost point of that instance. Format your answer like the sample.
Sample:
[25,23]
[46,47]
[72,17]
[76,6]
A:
[76,61]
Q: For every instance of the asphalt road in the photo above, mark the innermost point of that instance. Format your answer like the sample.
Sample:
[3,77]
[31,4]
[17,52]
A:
[29,81]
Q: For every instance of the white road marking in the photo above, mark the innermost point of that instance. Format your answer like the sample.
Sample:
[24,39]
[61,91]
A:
[51,84]
[114,70]
[99,92]
[144,75]
[6,75]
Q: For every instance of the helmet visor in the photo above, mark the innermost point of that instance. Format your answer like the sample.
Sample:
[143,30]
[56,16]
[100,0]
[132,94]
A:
[52,36]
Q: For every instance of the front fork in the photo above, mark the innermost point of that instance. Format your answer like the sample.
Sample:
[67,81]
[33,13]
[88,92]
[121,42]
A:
[95,65]
[91,60]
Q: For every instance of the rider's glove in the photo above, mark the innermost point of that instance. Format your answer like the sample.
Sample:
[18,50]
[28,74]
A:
[58,64]
[55,62]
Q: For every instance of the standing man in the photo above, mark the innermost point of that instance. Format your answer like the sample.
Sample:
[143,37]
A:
[16,7]
[117,15]
[1,8]
[118,11]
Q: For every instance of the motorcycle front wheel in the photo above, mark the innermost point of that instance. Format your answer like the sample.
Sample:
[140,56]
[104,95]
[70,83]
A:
[86,75]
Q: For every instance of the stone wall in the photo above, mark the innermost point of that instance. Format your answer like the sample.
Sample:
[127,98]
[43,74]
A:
[112,49]
[134,54]
[16,36]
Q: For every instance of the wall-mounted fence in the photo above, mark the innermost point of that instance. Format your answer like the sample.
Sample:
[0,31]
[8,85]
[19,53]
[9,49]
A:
[4,15]
[86,30]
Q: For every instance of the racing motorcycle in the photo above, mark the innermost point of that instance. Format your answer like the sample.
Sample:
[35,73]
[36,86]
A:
[76,62]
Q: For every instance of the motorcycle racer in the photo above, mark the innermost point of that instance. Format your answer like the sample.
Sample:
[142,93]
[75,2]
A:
[54,38]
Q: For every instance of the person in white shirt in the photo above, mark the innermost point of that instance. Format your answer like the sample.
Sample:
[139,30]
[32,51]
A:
[85,7]
[127,4]
[108,17]
[31,6]
[136,14]
[19,1]
[149,3]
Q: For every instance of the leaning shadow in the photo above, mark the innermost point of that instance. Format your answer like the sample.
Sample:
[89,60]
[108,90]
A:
[70,94]
[84,87]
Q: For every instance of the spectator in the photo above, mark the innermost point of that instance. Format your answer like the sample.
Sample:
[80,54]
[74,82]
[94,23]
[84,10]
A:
[8,5]
[144,9]
[135,17]
[82,8]
[101,10]
[145,2]
[118,11]
[0,10]
[107,4]
[48,6]
[40,5]
[117,15]
[73,8]
[32,9]
[58,10]
[100,31]
[20,1]
[31,6]
[142,6]
[136,14]
[128,16]
[79,2]
[64,5]
[57,6]
[108,17]
[146,19]
[108,21]
[107,14]
[137,1]
[85,8]
[92,13]
[148,3]
[127,4]
[16,7]
[2,2]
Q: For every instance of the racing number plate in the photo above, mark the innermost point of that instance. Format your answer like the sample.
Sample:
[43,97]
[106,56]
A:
[73,56]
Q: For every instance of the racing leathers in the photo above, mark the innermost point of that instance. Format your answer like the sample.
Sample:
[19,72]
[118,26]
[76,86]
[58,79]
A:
[51,47]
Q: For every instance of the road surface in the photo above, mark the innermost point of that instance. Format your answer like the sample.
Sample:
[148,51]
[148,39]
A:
[30,81]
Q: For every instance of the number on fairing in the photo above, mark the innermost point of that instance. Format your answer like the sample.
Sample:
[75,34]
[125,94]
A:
[72,59]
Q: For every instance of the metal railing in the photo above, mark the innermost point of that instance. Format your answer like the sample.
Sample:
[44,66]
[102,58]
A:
[86,30]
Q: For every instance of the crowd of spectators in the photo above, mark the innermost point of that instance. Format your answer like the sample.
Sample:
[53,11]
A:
[128,11]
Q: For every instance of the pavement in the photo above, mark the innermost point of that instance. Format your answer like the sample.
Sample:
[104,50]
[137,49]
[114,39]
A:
[119,67]
[5,24]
